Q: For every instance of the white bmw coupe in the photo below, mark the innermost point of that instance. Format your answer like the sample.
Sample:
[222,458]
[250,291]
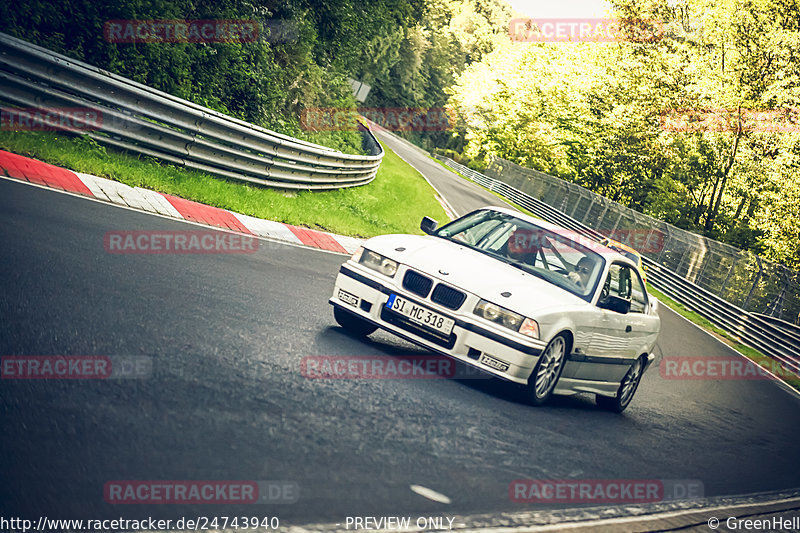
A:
[516,297]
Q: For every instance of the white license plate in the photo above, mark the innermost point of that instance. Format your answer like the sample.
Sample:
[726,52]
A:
[420,315]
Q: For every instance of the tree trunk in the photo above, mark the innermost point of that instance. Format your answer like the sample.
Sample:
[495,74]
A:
[725,173]
[740,208]
[707,210]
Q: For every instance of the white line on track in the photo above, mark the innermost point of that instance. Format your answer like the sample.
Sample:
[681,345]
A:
[431,494]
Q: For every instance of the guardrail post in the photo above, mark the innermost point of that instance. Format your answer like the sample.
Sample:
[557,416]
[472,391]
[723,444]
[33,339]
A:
[779,300]
[699,277]
[564,200]
[680,263]
[547,191]
[606,204]
[610,233]
[650,234]
[572,214]
[730,273]
[664,246]
[588,210]
[746,303]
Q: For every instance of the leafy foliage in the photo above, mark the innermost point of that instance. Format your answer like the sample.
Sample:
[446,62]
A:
[595,114]
[268,82]
[414,65]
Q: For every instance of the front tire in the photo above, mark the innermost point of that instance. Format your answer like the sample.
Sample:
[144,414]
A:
[352,323]
[626,390]
[547,371]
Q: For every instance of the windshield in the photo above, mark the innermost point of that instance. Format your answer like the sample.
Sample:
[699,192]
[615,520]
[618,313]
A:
[534,249]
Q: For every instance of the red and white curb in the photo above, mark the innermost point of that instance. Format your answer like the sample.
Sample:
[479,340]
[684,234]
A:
[43,174]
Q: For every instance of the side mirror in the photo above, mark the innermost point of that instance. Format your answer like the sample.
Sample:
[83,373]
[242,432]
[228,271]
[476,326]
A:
[616,304]
[428,225]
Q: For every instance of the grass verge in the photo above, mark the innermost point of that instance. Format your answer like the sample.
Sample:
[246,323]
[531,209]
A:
[394,202]
[751,353]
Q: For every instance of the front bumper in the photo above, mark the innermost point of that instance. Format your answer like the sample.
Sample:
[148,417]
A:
[470,342]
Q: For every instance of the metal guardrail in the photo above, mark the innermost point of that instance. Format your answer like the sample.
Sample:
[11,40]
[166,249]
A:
[740,277]
[787,327]
[747,328]
[150,122]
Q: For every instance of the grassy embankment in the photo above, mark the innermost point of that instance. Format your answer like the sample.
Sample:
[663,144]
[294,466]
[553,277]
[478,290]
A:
[394,202]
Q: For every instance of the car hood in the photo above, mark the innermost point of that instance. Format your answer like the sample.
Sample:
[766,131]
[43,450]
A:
[477,273]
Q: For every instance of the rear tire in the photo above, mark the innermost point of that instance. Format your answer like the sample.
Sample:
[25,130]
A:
[548,369]
[352,323]
[626,390]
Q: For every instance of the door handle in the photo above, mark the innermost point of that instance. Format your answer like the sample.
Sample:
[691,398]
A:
[628,328]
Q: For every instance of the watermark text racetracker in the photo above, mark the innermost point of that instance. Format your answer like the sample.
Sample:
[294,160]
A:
[196,523]
[50,119]
[642,240]
[193,492]
[723,368]
[181,31]
[388,118]
[603,491]
[592,30]
[178,242]
[732,119]
[386,367]
[75,367]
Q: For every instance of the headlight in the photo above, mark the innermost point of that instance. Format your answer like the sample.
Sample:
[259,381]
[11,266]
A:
[377,262]
[508,319]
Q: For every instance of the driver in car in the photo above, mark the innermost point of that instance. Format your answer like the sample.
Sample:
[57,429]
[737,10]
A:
[523,246]
[582,272]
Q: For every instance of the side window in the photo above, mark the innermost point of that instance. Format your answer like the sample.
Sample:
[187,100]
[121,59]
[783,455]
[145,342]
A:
[638,295]
[624,283]
[615,282]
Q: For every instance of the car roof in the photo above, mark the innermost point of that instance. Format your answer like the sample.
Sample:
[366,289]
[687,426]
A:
[612,242]
[595,246]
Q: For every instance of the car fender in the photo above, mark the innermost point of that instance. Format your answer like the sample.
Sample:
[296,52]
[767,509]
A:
[560,324]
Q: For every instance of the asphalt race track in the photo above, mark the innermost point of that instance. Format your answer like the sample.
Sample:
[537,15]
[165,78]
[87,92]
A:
[462,196]
[226,399]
